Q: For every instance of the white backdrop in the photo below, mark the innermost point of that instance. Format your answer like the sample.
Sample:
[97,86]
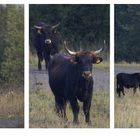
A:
[70,134]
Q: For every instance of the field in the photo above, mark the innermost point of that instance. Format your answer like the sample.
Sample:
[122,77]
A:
[11,109]
[43,115]
[42,106]
[127,108]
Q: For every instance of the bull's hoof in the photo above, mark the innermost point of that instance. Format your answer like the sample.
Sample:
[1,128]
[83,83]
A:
[39,69]
[89,123]
[65,120]
[46,67]
[76,122]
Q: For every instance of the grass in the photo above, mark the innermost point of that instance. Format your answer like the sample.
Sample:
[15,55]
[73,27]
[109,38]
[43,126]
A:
[127,110]
[125,64]
[12,106]
[103,65]
[43,115]
[33,59]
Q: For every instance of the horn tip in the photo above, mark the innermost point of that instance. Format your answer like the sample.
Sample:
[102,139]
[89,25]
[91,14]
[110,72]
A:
[65,42]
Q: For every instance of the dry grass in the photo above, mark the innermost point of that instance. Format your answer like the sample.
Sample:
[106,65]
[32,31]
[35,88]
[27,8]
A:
[33,60]
[105,65]
[125,64]
[12,105]
[127,110]
[42,112]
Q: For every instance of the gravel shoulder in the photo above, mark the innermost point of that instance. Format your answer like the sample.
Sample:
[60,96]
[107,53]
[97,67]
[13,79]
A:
[39,79]
[11,123]
[126,69]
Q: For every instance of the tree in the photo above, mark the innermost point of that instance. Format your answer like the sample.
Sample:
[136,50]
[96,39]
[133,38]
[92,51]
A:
[127,32]
[84,26]
[12,66]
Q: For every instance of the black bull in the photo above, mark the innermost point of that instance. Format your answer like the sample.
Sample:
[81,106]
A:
[127,81]
[46,42]
[70,79]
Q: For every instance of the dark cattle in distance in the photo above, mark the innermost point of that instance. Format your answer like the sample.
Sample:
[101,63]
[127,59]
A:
[125,80]
[46,42]
[70,79]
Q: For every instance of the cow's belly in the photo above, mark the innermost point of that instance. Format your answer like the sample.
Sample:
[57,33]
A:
[129,84]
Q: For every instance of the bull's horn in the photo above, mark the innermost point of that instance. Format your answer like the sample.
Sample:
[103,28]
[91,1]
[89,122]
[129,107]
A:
[69,52]
[37,27]
[55,26]
[100,50]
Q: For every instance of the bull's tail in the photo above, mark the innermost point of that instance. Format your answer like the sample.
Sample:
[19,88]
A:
[60,105]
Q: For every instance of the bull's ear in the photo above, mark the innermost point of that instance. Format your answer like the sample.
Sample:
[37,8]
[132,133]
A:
[54,28]
[97,60]
[73,60]
[54,31]
[39,31]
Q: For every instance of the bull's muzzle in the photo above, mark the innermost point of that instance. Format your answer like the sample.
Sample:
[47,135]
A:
[87,74]
[48,41]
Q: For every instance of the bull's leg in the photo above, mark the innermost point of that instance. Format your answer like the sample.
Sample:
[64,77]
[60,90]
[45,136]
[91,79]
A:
[40,58]
[123,90]
[60,105]
[39,64]
[75,109]
[47,59]
[86,109]
[56,106]
[134,90]
[118,89]
[119,93]
[64,111]
[46,63]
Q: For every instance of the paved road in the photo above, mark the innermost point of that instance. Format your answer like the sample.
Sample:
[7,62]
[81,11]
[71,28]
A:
[40,79]
[126,69]
[11,123]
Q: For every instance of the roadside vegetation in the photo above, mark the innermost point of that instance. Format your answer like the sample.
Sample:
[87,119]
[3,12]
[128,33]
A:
[127,107]
[43,115]
[127,59]
[105,65]
[128,65]
[127,110]
[11,109]
[72,18]
[11,65]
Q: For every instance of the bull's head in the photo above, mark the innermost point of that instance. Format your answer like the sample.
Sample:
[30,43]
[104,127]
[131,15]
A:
[49,37]
[84,60]
[48,31]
